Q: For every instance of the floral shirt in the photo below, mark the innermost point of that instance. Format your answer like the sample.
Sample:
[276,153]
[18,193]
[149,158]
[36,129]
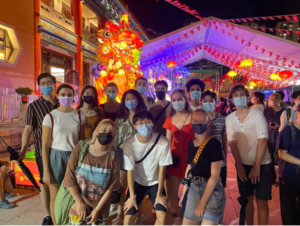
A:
[125,130]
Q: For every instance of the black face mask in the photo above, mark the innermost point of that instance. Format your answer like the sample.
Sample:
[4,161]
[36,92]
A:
[104,138]
[199,128]
[88,99]
[160,95]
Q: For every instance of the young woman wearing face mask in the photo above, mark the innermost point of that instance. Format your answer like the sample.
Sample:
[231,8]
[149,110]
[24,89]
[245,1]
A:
[88,106]
[132,102]
[111,107]
[217,127]
[96,177]
[205,199]
[65,127]
[258,101]
[179,132]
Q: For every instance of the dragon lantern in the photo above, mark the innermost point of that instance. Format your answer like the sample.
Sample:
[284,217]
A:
[119,54]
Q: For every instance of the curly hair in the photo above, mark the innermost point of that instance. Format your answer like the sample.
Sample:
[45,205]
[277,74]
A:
[236,88]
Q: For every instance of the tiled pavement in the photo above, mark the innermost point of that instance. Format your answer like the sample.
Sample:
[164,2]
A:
[28,210]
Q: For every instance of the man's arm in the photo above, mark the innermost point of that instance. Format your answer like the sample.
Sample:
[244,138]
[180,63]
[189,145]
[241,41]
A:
[284,155]
[237,157]
[224,143]
[161,180]
[25,141]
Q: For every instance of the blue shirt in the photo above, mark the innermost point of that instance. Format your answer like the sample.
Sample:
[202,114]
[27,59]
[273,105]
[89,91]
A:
[293,148]
[272,116]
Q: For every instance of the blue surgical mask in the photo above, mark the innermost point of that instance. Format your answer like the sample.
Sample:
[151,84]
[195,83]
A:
[141,89]
[240,101]
[47,90]
[210,107]
[195,95]
[112,95]
[131,105]
[178,105]
[145,130]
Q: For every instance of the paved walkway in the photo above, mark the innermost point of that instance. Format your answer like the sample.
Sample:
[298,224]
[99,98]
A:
[28,210]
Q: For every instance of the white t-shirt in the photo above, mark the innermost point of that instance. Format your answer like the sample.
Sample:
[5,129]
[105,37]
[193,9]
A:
[260,107]
[146,172]
[195,108]
[247,134]
[66,129]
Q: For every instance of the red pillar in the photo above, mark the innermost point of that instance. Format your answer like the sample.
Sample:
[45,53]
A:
[78,31]
[101,23]
[37,45]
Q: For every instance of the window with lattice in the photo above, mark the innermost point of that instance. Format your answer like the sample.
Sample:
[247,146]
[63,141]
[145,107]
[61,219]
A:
[6,47]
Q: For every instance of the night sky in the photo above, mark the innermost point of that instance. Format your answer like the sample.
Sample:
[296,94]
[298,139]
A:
[162,16]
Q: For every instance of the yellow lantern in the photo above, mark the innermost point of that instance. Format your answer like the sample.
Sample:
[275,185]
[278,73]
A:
[231,74]
[103,73]
[246,63]
[275,76]
[252,84]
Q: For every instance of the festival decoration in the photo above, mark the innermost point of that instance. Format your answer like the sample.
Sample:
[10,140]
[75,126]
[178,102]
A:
[171,64]
[252,83]
[275,76]
[232,74]
[258,82]
[285,74]
[185,8]
[119,54]
[246,63]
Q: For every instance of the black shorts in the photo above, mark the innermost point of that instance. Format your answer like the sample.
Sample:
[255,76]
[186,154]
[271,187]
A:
[223,175]
[39,163]
[141,191]
[262,189]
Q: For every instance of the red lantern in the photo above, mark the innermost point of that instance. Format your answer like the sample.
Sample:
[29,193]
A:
[258,82]
[171,64]
[110,76]
[285,74]
[238,64]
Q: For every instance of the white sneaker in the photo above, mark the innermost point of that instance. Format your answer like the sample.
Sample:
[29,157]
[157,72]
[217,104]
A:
[178,221]
[139,221]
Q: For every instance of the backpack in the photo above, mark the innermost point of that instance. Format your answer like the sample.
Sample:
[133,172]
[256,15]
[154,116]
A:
[288,115]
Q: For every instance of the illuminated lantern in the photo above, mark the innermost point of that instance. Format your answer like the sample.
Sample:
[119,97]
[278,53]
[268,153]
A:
[274,76]
[285,74]
[231,74]
[246,63]
[258,82]
[238,64]
[252,83]
[103,73]
[110,76]
[171,64]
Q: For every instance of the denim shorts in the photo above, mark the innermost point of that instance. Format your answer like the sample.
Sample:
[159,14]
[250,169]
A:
[214,210]
[58,164]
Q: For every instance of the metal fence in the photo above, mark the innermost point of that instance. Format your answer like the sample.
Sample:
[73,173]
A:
[10,106]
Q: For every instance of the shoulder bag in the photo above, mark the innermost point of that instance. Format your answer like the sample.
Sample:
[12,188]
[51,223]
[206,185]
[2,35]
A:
[87,121]
[64,199]
[161,113]
[176,159]
[150,150]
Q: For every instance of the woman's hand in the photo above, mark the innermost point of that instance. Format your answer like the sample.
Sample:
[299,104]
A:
[81,210]
[131,202]
[47,178]
[200,210]
[180,201]
[93,216]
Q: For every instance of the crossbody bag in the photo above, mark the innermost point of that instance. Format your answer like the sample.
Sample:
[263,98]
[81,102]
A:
[161,113]
[87,121]
[150,150]
[176,159]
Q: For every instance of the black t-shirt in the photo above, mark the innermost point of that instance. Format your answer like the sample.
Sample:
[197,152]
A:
[212,152]
[109,115]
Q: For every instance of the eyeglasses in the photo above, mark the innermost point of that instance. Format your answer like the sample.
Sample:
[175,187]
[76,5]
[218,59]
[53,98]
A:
[49,83]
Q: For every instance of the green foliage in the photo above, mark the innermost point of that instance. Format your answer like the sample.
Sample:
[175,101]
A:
[24,91]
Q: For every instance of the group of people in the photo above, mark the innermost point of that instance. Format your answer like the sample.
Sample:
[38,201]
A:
[118,153]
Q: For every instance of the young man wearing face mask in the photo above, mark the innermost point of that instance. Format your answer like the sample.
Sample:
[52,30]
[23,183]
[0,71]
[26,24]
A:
[289,115]
[160,109]
[194,87]
[247,132]
[146,156]
[35,114]
[272,114]
[216,128]
[141,85]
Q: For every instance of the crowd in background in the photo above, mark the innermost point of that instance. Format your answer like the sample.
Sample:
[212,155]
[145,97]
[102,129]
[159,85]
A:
[96,158]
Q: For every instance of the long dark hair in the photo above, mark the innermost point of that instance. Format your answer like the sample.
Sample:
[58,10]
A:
[95,102]
[124,112]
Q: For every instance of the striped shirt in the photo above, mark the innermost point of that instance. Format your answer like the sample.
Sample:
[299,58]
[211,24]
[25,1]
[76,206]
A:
[35,114]
[217,129]
[273,116]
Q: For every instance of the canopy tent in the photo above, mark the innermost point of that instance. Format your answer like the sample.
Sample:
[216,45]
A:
[226,43]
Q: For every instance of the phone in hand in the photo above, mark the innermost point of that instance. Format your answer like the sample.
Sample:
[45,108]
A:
[272,124]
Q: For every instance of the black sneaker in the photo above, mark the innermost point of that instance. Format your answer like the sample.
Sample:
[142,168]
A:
[47,221]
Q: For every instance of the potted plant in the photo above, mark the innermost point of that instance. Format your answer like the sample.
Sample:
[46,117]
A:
[24,92]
